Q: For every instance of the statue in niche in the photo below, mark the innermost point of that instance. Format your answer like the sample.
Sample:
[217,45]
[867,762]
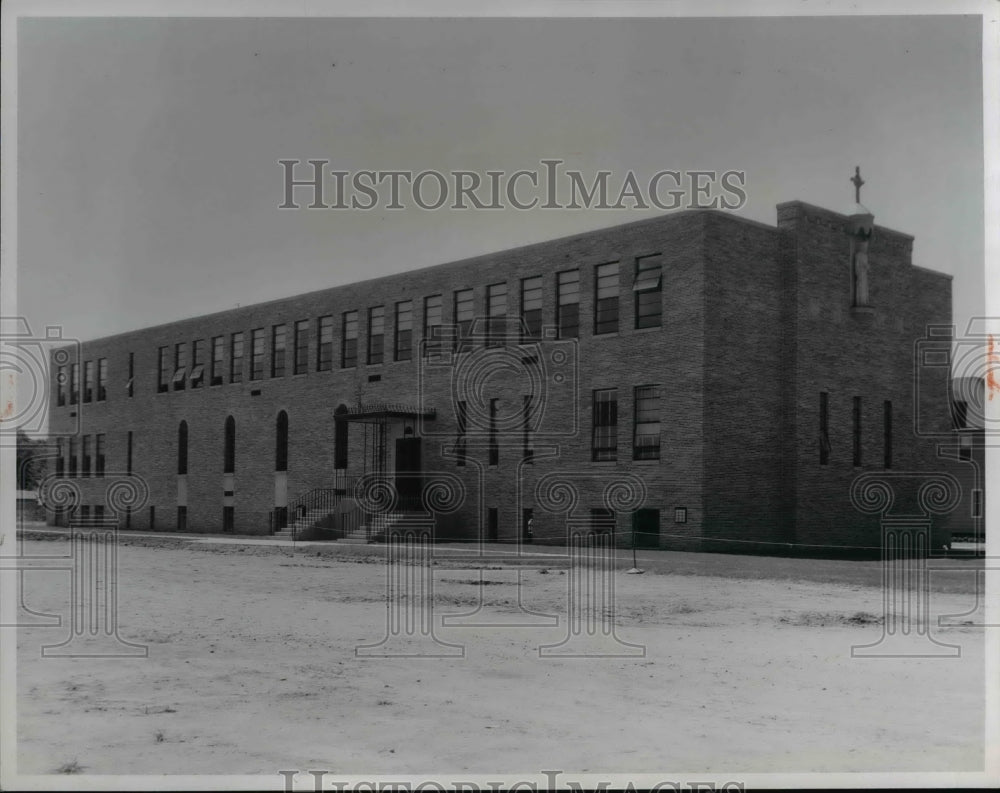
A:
[861,269]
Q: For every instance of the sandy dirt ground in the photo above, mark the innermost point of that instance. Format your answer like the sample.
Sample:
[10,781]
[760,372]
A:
[252,668]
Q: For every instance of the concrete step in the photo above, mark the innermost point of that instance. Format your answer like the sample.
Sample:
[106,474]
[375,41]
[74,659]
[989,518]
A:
[358,536]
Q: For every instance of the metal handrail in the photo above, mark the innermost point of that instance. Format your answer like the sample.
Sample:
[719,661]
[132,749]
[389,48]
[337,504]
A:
[324,499]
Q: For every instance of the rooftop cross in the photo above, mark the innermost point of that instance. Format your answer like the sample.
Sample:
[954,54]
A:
[857,181]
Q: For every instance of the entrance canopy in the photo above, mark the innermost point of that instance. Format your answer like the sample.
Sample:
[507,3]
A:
[379,411]
[381,448]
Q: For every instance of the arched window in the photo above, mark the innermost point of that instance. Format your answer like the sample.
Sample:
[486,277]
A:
[229,454]
[182,448]
[281,443]
[340,438]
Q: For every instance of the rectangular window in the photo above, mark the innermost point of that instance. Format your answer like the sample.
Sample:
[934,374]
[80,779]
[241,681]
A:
[85,457]
[74,384]
[349,345]
[278,333]
[646,439]
[61,385]
[404,330]
[180,365]
[99,455]
[465,313]
[60,458]
[128,454]
[324,349]
[496,310]
[977,503]
[648,289]
[494,447]
[198,363]
[606,298]
[462,416]
[163,367]
[72,457]
[88,381]
[217,344]
[568,304]
[887,434]
[102,379]
[257,354]
[965,447]
[531,309]
[432,324]
[824,428]
[959,414]
[182,514]
[236,358]
[376,334]
[131,374]
[99,514]
[528,452]
[857,430]
[152,518]
[301,346]
[604,442]
[85,514]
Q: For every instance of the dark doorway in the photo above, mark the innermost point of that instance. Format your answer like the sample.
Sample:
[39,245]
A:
[492,524]
[527,527]
[408,482]
[646,528]
[228,522]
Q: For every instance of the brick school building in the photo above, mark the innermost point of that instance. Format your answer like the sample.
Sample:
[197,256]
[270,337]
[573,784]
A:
[695,381]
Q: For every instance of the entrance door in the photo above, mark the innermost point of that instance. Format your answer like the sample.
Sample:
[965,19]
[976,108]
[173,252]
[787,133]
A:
[408,482]
[492,525]
[646,528]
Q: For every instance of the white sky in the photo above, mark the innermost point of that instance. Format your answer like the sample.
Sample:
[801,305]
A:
[148,181]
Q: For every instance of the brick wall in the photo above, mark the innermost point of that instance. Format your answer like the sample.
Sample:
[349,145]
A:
[742,386]
[671,356]
[847,353]
[756,322]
